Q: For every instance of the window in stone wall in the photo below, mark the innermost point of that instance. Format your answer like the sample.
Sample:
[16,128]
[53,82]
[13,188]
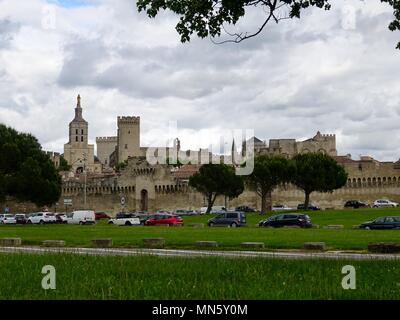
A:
[76,138]
[82,138]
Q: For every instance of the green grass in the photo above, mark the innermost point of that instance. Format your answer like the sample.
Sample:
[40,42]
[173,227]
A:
[145,277]
[228,238]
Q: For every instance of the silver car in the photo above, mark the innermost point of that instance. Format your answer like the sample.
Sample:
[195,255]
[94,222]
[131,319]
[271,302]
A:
[7,218]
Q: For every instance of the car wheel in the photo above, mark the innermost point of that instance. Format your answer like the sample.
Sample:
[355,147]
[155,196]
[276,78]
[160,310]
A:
[128,223]
[41,222]
[367,228]
[233,225]
[211,224]
[80,222]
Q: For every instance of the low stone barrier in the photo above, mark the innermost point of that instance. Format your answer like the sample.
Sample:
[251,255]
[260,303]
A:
[207,243]
[10,242]
[154,242]
[53,243]
[252,244]
[102,243]
[334,226]
[356,226]
[384,247]
[315,226]
[314,246]
[196,225]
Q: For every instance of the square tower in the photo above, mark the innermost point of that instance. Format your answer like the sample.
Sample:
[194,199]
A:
[128,138]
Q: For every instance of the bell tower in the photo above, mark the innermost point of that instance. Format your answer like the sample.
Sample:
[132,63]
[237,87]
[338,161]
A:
[77,152]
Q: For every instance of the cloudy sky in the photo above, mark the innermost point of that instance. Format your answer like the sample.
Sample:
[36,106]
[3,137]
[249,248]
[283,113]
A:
[337,72]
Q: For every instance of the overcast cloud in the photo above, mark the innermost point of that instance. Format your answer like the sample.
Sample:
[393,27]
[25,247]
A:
[326,72]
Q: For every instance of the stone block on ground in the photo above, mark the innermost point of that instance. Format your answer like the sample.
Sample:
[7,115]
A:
[384,247]
[154,242]
[314,246]
[207,243]
[252,244]
[334,226]
[54,243]
[102,243]
[10,242]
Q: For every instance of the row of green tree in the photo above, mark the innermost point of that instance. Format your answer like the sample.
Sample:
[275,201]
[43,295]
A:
[309,172]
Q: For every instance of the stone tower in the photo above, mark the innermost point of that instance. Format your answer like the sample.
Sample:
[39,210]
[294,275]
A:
[78,153]
[128,138]
[105,147]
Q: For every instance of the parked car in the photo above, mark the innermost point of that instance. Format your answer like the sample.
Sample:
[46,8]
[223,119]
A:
[7,218]
[228,218]
[382,223]
[61,218]
[101,215]
[143,217]
[214,209]
[180,212]
[42,218]
[245,209]
[21,218]
[311,206]
[169,219]
[355,204]
[281,207]
[125,219]
[162,212]
[384,203]
[81,217]
[191,212]
[281,220]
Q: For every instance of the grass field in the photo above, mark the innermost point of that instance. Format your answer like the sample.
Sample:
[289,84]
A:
[144,277]
[228,238]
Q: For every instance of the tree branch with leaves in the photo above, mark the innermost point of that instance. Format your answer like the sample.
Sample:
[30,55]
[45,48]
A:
[209,18]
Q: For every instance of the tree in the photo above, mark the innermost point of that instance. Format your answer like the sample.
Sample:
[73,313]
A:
[213,180]
[317,172]
[26,172]
[269,171]
[64,166]
[121,166]
[210,17]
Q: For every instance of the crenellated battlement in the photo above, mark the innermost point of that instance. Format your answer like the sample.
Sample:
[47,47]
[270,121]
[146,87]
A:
[329,135]
[128,120]
[106,139]
[52,154]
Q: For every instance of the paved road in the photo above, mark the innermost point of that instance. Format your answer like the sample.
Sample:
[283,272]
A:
[202,253]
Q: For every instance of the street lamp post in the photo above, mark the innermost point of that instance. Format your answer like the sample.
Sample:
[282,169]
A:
[85,174]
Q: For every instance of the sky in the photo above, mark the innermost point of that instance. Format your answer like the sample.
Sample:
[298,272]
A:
[332,71]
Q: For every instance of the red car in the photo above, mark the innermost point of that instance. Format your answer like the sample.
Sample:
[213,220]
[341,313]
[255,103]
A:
[169,219]
[101,215]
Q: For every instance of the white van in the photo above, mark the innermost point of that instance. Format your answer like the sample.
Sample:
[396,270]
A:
[81,217]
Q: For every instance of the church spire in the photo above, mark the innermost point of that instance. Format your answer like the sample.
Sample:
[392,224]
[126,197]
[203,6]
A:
[78,109]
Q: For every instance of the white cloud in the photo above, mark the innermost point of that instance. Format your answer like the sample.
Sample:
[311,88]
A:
[295,78]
